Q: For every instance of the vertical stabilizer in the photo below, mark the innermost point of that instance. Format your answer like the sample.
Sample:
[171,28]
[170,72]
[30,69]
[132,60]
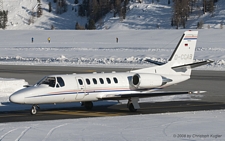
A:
[184,52]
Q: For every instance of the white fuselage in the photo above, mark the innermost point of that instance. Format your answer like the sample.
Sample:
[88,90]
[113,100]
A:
[92,88]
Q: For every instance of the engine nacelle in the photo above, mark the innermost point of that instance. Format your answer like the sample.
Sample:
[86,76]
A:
[146,81]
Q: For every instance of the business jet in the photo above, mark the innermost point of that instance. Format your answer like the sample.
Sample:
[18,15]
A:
[131,85]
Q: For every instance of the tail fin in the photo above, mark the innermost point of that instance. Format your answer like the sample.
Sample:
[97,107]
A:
[184,52]
[182,59]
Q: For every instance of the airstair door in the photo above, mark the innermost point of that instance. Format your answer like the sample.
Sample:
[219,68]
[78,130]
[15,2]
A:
[81,88]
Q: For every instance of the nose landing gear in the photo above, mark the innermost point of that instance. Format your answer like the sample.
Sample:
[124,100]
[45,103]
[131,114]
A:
[33,110]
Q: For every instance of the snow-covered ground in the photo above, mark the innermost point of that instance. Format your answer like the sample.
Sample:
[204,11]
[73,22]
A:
[82,48]
[203,125]
[96,48]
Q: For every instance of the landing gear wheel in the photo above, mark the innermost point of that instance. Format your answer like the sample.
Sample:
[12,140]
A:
[88,105]
[33,110]
[131,107]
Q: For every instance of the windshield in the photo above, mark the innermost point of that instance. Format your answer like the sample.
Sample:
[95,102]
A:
[48,81]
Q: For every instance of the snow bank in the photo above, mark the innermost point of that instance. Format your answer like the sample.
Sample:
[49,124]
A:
[10,85]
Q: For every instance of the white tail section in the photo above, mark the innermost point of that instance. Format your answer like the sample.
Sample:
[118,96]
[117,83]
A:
[184,52]
[181,61]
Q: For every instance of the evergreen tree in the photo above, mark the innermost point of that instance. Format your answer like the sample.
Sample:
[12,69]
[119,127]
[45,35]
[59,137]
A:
[211,6]
[76,26]
[81,10]
[52,27]
[50,7]
[76,2]
[79,27]
[91,24]
[39,11]
[181,10]
[3,19]
[61,6]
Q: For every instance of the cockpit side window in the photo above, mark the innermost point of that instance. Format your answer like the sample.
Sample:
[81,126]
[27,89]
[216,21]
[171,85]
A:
[60,81]
[48,81]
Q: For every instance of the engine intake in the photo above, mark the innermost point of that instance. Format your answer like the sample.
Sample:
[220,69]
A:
[143,81]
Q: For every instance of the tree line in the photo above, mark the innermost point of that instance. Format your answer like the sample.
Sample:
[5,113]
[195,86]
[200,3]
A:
[95,10]
[3,19]
[183,8]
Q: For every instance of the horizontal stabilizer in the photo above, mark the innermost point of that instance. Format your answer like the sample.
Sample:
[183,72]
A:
[154,62]
[150,94]
[192,65]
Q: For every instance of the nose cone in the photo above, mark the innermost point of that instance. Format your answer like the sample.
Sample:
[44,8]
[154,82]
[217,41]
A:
[17,98]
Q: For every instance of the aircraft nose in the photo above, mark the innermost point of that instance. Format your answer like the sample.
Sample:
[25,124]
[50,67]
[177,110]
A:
[17,98]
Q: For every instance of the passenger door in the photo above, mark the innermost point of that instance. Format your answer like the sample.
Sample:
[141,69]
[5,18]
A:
[81,88]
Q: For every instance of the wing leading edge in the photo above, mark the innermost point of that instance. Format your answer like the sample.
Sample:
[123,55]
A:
[193,65]
[144,95]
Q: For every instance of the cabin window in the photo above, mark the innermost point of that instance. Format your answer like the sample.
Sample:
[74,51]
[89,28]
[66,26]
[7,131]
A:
[108,80]
[60,81]
[88,81]
[115,79]
[80,81]
[101,80]
[94,81]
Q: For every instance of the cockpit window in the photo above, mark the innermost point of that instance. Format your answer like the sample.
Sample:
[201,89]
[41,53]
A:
[60,81]
[48,80]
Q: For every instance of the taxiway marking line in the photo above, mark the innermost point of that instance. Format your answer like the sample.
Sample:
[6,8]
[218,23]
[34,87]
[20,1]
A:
[82,113]
[182,106]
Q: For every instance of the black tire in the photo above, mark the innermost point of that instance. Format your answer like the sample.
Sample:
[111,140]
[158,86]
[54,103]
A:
[33,110]
[88,105]
[131,107]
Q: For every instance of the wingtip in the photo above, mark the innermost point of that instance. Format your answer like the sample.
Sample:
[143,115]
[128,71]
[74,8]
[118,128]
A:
[210,61]
[196,92]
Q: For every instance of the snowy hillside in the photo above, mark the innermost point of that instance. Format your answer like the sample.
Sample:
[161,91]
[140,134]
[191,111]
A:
[145,15]
[20,13]
[148,15]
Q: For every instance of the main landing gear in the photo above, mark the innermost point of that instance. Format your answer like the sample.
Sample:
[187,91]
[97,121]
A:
[88,105]
[132,104]
[33,110]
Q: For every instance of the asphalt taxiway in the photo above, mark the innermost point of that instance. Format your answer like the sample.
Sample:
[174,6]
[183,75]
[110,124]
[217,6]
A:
[210,81]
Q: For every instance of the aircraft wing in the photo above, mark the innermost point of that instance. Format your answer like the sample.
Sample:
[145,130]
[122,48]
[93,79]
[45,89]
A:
[154,62]
[143,95]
